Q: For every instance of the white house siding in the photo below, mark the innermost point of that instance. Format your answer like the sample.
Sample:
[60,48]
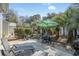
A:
[8,28]
[0,27]
[1,47]
[5,28]
[0,31]
[4,7]
[11,28]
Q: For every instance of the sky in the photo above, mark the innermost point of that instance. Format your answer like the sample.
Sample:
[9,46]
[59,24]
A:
[29,9]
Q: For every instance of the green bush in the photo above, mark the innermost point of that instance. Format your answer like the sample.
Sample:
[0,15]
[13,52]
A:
[19,32]
[28,31]
[22,32]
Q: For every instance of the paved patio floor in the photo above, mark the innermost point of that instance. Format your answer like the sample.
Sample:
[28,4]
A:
[57,51]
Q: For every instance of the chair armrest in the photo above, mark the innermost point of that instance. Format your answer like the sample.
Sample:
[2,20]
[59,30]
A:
[12,48]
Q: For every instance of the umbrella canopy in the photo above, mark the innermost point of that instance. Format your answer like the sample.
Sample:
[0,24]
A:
[46,24]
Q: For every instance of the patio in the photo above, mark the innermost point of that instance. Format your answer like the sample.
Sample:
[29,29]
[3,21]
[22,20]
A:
[41,48]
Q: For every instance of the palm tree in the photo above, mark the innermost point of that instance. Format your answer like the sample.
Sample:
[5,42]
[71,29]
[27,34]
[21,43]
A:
[61,19]
[72,14]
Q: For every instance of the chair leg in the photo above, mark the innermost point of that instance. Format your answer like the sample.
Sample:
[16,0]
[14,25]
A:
[2,52]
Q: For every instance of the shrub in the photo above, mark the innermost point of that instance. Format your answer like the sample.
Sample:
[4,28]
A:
[28,31]
[19,32]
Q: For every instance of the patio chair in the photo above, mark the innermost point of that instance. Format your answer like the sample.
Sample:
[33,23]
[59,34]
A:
[15,50]
[7,50]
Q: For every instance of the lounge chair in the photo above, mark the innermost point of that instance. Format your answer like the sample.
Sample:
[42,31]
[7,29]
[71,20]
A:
[7,50]
[15,50]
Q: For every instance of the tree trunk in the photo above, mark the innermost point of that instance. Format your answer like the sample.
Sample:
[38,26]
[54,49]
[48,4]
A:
[75,33]
[57,33]
[70,36]
[63,31]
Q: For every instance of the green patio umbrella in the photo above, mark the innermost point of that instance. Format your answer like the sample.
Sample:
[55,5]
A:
[46,24]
